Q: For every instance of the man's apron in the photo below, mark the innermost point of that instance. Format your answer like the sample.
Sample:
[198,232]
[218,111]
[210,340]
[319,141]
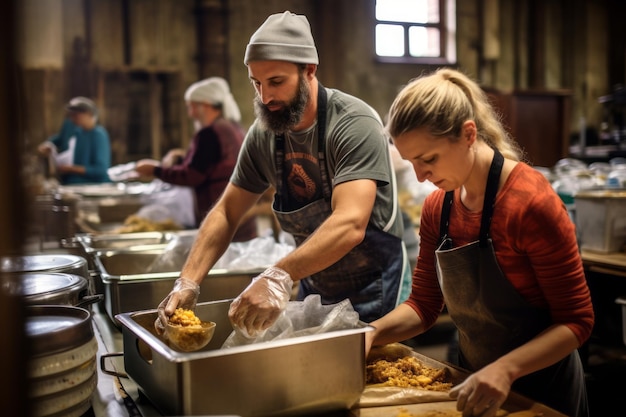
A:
[493,318]
[370,274]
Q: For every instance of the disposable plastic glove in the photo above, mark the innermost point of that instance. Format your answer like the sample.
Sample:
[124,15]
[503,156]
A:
[184,295]
[260,304]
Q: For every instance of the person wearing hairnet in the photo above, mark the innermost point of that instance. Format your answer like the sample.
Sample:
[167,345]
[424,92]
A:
[326,155]
[82,149]
[211,157]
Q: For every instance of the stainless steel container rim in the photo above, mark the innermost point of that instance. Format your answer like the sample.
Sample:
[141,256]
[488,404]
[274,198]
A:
[86,240]
[37,287]
[160,346]
[40,262]
[107,278]
[147,276]
[56,328]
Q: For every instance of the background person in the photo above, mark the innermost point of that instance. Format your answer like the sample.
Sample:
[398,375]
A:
[497,247]
[326,155]
[81,151]
[209,162]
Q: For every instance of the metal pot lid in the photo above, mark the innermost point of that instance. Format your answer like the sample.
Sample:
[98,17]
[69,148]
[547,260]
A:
[56,328]
[49,284]
[40,262]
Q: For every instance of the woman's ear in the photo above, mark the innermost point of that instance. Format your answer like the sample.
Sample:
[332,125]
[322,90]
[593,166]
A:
[469,132]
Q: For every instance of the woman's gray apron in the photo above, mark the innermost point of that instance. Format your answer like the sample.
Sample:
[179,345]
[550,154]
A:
[493,318]
[370,274]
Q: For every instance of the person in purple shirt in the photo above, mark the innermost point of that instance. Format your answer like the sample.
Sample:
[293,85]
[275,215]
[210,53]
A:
[212,155]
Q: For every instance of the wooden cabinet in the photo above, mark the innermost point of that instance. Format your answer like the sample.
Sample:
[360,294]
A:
[538,120]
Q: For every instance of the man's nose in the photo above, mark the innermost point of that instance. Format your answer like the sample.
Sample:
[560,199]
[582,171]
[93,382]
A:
[265,95]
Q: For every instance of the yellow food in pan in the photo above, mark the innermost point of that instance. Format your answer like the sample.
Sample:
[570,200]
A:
[407,372]
[184,317]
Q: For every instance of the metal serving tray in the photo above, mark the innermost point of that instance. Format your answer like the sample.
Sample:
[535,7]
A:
[92,243]
[303,375]
[127,286]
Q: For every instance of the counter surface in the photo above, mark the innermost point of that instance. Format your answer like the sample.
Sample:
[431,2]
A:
[607,263]
[108,398]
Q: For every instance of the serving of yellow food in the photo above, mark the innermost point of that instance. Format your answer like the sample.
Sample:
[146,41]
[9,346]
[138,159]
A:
[407,371]
[135,224]
[186,332]
[184,317]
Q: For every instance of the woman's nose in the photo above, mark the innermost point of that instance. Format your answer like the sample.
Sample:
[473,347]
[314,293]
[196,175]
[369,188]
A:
[422,174]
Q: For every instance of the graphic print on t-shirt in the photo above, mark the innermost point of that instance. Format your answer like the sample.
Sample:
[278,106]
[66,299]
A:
[303,176]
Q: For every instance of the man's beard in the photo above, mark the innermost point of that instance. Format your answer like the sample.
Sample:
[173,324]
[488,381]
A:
[280,121]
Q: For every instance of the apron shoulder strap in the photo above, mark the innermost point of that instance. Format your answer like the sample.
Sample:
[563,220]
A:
[444,223]
[490,196]
[322,100]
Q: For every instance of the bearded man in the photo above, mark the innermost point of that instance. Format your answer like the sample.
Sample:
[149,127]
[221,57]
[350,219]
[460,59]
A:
[326,155]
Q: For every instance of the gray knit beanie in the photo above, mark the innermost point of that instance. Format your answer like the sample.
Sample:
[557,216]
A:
[283,37]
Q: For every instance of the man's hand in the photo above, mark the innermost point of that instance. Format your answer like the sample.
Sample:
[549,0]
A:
[260,304]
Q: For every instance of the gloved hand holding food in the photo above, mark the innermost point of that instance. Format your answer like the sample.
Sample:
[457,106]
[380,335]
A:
[260,304]
[184,295]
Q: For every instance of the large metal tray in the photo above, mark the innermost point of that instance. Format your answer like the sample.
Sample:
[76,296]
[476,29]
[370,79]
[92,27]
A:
[91,243]
[304,375]
[127,286]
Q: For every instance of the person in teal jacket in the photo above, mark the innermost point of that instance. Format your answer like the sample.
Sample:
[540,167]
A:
[82,148]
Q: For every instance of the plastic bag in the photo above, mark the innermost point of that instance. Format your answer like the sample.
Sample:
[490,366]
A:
[302,318]
[174,254]
[175,200]
[257,253]
[260,252]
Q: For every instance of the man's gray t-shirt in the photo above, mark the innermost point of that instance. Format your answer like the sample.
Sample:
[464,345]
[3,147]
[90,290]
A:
[356,148]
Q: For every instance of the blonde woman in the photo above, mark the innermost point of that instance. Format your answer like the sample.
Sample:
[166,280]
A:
[497,248]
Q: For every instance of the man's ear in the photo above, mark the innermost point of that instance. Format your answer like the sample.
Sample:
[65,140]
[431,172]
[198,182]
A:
[310,71]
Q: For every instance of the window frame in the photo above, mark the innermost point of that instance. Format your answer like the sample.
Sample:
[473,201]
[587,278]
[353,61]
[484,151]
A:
[444,28]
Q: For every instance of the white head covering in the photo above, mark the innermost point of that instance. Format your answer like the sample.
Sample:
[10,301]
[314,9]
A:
[82,105]
[216,92]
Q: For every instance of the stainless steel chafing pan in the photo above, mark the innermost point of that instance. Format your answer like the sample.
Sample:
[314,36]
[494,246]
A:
[90,244]
[128,286]
[302,375]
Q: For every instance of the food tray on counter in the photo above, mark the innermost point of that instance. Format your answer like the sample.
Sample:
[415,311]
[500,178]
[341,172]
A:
[302,375]
[128,286]
[378,400]
[91,244]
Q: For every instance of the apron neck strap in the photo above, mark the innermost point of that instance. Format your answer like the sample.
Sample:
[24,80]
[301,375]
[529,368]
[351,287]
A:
[493,179]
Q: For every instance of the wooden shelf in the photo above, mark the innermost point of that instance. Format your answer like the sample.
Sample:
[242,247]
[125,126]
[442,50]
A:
[605,263]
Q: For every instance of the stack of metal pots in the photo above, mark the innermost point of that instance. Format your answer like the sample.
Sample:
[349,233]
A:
[62,370]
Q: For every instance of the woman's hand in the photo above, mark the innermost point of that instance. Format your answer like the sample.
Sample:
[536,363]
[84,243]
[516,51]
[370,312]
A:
[369,340]
[483,392]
